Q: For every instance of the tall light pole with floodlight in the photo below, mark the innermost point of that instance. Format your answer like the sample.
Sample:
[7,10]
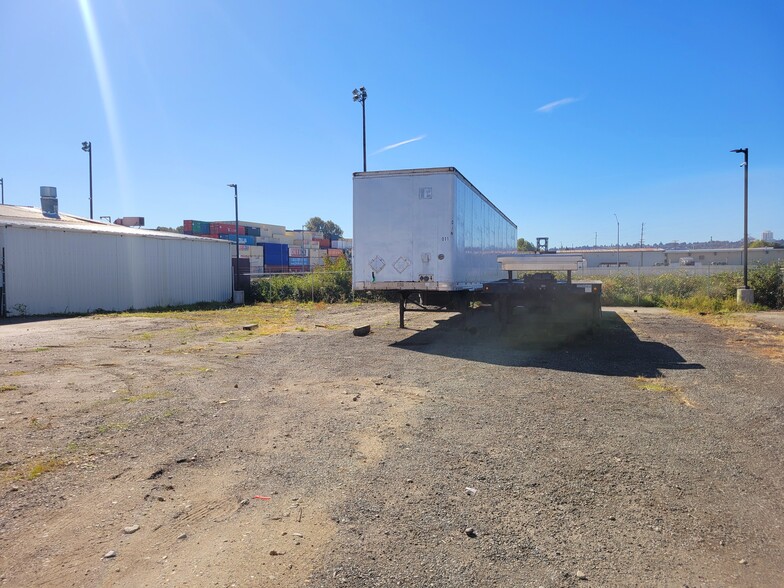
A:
[745,165]
[360,96]
[618,242]
[236,237]
[88,147]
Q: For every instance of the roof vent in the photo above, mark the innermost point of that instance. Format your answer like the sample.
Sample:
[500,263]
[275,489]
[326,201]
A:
[49,202]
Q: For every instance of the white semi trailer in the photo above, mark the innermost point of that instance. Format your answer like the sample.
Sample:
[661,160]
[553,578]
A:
[427,234]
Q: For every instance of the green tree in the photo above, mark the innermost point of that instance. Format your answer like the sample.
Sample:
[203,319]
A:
[170,229]
[331,230]
[761,243]
[523,245]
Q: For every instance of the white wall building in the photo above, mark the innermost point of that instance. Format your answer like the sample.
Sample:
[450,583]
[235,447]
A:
[74,265]
[651,257]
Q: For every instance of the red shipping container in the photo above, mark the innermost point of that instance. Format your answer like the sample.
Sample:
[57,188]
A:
[323,243]
[187,226]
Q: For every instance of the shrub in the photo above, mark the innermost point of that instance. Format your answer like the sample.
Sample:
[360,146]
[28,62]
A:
[768,285]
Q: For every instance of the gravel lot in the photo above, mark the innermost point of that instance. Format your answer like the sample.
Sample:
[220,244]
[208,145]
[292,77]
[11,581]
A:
[180,449]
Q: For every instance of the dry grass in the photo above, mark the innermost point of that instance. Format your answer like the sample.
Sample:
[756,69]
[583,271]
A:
[8,387]
[34,469]
[660,386]
[760,338]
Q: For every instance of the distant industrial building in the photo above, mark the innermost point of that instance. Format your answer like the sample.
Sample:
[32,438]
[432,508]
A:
[54,263]
[767,236]
[653,257]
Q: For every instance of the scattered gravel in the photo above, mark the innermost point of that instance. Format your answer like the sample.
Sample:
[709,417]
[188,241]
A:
[646,454]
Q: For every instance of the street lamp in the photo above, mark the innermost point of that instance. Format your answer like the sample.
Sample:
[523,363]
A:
[236,238]
[360,96]
[88,147]
[2,191]
[618,243]
[745,165]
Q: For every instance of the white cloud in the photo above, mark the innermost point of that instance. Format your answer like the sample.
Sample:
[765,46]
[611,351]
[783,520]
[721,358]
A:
[396,145]
[550,106]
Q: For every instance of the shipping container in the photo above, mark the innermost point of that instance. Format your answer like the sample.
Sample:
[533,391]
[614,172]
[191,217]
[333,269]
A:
[227,228]
[276,254]
[426,229]
[298,261]
[323,243]
[243,239]
[296,251]
[200,227]
[187,226]
[254,231]
[335,252]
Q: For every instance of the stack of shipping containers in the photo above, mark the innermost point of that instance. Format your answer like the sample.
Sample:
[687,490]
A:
[271,248]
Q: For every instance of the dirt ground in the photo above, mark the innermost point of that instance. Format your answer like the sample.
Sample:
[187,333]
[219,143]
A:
[180,449]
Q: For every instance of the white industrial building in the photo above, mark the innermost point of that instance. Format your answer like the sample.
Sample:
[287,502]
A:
[60,264]
[653,257]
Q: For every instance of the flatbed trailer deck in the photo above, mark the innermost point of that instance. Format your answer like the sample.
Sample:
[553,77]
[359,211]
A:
[539,293]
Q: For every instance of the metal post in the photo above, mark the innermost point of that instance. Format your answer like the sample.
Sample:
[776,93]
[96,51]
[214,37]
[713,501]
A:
[88,147]
[618,245]
[236,238]
[90,153]
[746,218]
[745,164]
[360,96]
[2,191]
[364,140]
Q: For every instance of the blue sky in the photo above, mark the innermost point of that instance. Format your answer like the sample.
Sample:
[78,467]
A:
[562,113]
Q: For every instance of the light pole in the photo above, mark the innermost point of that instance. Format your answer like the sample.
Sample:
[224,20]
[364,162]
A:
[618,242]
[88,147]
[745,165]
[236,238]
[360,96]
[2,191]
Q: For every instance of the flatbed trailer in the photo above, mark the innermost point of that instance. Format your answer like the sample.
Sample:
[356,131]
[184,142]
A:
[538,292]
[576,303]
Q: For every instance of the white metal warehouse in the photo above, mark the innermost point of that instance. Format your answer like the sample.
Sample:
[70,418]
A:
[73,265]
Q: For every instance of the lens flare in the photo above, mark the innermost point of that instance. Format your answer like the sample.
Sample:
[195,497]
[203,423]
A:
[107,96]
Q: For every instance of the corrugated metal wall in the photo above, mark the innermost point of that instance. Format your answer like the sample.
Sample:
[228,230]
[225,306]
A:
[56,271]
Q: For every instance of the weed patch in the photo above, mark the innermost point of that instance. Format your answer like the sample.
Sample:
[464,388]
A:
[41,467]
[660,386]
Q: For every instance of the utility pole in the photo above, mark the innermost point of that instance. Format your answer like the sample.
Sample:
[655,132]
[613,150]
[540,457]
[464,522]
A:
[747,296]
[642,232]
[87,146]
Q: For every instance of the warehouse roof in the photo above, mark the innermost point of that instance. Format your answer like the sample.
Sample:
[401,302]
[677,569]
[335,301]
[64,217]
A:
[27,216]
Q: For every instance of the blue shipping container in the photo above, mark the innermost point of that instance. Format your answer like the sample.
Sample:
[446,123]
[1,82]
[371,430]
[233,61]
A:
[244,239]
[201,228]
[298,261]
[276,253]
